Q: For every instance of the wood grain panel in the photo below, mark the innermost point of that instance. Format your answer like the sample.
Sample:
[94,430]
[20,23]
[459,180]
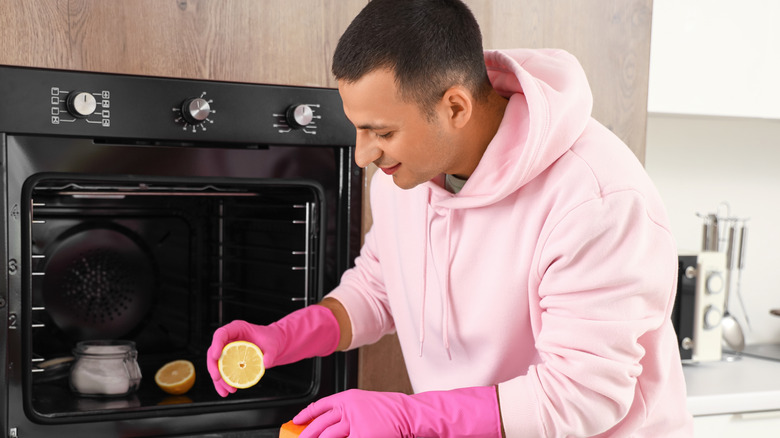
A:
[260,41]
[34,33]
[611,38]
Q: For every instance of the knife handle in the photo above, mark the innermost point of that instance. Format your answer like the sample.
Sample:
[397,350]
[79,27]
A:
[742,237]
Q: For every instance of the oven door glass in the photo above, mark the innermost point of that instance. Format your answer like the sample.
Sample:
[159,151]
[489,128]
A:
[157,245]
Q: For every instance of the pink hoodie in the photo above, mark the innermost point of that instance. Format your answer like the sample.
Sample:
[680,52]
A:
[552,273]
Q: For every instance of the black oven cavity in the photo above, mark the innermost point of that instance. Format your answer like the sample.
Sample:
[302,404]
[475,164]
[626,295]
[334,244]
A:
[160,231]
[163,266]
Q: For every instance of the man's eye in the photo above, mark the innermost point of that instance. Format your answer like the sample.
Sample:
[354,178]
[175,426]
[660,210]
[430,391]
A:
[385,135]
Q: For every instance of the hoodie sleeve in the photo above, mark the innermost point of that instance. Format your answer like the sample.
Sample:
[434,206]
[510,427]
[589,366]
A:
[362,289]
[605,277]
[363,295]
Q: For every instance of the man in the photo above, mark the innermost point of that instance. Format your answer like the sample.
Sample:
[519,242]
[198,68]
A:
[518,249]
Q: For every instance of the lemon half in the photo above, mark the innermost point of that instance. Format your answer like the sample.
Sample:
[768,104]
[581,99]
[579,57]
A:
[175,377]
[241,364]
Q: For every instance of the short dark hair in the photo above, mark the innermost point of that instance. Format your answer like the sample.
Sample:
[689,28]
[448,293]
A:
[429,45]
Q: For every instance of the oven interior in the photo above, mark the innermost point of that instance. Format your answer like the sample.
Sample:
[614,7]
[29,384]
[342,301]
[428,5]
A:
[164,264]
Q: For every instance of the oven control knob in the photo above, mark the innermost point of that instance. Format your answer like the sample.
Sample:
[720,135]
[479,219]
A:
[298,116]
[81,104]
[715,283]
[195,110]
[712,317]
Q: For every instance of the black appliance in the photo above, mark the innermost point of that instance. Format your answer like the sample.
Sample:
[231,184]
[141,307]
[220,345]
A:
[699,305]
[156,210]
[684,305]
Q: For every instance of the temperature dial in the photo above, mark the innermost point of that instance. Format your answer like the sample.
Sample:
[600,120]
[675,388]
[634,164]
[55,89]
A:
[195,110]
[81,104]
[298,116]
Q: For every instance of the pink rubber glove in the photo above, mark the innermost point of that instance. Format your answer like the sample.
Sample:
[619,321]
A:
[466,412]
[308,332]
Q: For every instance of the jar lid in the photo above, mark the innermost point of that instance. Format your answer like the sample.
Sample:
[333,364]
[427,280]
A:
[104,348]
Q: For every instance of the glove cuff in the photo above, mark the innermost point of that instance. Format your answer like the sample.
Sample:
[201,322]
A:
[308,332]
[463,412]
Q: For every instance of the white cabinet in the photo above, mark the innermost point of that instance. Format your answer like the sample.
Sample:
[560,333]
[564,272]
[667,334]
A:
[753,425]
[715,57]
[734,398]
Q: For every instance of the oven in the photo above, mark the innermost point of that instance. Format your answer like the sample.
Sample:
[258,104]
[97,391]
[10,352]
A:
[154,210]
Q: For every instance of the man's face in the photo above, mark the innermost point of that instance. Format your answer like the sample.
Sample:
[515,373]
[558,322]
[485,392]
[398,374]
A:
[393,134]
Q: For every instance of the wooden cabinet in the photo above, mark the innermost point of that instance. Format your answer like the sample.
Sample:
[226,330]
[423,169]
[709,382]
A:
[271,41]
[610,38]
[262,41]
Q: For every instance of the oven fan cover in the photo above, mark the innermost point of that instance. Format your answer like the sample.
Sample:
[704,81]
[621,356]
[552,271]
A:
[99,282]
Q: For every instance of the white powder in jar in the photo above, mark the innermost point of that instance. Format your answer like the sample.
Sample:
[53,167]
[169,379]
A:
[101,370]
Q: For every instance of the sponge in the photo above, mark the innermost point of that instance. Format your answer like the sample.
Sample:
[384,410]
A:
[291,430]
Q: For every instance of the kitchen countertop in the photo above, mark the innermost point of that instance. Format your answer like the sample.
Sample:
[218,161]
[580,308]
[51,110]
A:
[748,384]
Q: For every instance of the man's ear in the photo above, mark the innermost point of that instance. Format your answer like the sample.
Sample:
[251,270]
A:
[459,105]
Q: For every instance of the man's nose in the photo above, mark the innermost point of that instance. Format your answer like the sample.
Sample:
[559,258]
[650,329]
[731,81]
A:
[366,149]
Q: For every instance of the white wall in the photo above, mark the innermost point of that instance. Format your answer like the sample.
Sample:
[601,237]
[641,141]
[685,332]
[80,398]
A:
[699,161]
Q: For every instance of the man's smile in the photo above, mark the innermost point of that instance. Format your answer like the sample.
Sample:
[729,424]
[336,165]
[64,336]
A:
[390,170]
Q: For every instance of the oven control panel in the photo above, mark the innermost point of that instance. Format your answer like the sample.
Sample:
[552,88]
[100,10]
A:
[78,105]
[154,109]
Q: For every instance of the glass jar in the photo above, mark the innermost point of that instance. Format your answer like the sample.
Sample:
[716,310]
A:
[105,368]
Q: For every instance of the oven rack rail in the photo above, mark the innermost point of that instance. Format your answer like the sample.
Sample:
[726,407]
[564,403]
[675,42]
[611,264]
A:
[37,359]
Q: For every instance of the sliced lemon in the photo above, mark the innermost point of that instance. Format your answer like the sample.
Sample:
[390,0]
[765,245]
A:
[175,377]
[241,364]
[291,430]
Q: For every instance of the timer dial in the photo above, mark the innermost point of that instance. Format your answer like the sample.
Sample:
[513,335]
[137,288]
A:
[81,104]
[195,110]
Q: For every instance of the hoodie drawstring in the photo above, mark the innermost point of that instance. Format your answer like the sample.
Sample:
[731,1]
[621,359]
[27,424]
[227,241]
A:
[444,292]
[424,272]
[445,298]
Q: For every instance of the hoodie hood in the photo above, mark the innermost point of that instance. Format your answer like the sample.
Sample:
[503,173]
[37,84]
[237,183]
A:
[549,107]
[549,94]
